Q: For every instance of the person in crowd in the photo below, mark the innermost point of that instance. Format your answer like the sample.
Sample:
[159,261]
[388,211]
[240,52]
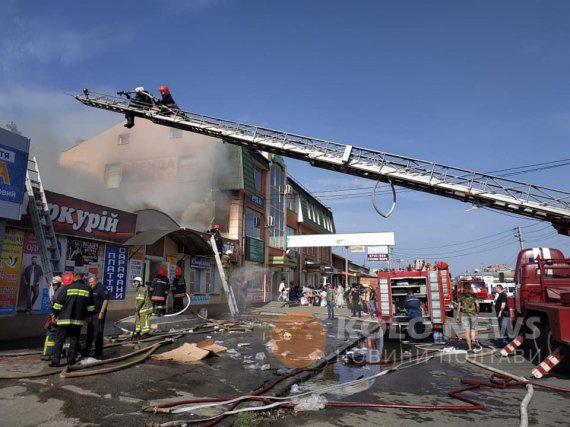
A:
[323,296]
[330,298]
[371,301]
[143,309]
[50,325]
[467,311]
[159,291]
[72,307]
[33,273]
[178,290]
[283,291]
[339,299]
[413,308]
[354,298]
[502,312]
[96,327]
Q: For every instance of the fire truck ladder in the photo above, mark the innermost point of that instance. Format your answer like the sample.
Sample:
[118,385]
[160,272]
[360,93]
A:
[38,210]
[480,189]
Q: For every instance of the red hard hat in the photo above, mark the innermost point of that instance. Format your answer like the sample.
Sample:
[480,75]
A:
[178,271]
[162,272]
[164,89]
[67,279]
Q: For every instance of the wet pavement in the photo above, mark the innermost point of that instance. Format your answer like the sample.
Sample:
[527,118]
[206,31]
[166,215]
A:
[257,357]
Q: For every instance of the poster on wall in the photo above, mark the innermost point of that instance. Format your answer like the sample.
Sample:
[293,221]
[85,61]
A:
[136,268]
[115,271]
[171,262]
[10,268]
[34,286]
[83,256]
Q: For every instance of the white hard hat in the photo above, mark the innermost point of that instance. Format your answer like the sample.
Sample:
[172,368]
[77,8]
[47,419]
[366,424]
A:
[56,279]
[138,279]
[139,89]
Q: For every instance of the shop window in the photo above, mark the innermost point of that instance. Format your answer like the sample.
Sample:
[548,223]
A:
[113,175]
[208,275]
[191,280]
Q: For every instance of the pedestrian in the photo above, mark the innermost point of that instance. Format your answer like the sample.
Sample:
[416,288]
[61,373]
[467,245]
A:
[159,291]
[502,312]
[283,291]
[167,99]
[413,308]
[467,311]
[372,296]
[330,297]
[33,273]
[355,300]
[50,325]
[96,327]
[72,308]
[178,290]
[143,309]
[339,300]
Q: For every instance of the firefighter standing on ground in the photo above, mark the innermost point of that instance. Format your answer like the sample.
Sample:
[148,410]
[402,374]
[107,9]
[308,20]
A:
[159,290]
[178,290]
[50,326]
[72,308]
[143,309]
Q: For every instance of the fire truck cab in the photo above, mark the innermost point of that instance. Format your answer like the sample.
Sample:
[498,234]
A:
[479,288]
[431,285]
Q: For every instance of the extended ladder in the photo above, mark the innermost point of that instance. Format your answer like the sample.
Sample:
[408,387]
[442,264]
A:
[483,190]
[38,210]
[234,310]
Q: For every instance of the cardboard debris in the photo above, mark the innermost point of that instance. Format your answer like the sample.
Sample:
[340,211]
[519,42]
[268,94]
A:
[191,352]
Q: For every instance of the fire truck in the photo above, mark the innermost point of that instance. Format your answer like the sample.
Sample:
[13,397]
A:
[432,286]
[541,304]
[479,288]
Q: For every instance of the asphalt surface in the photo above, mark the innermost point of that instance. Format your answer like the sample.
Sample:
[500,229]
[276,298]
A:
[117,398]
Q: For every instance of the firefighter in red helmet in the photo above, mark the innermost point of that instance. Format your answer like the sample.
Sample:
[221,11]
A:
[167,99]
[159,290]
[178,290]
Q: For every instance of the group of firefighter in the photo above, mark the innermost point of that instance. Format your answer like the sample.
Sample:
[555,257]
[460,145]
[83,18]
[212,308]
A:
[76,303]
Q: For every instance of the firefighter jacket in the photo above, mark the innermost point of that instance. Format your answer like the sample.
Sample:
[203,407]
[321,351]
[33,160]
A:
[73,304]
[142,300]
[159,288]
[179,287]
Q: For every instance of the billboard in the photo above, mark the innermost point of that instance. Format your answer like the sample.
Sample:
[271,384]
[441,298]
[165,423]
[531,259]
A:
[13,167]
[333,240]
[377,253]
[10,267]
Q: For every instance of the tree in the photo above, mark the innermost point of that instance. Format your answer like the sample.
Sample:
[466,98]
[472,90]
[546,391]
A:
[13,127]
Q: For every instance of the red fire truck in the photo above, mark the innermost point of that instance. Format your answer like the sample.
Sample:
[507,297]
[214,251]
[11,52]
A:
[542,303]
[432,286]
[479,288]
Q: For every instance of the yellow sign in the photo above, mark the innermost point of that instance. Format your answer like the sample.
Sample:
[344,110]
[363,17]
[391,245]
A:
[10,269]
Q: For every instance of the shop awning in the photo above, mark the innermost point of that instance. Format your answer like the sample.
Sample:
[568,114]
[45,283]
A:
[190,242]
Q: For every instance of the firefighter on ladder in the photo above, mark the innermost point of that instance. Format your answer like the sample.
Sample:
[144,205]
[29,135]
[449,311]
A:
[159,290]
[143,99]
[143,309]
[178,290]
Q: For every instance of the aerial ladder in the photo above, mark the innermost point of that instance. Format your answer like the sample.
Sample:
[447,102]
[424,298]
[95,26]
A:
[42,225]
[480,189]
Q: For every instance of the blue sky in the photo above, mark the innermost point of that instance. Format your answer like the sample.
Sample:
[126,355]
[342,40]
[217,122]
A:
[479,85]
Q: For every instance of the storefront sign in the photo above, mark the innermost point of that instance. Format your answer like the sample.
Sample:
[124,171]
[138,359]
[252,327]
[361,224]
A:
[258,201]
[150,170]
[136,266]
[254,250]
[199,299]
[115,271]
[200,262]
[76,217]
[10,267]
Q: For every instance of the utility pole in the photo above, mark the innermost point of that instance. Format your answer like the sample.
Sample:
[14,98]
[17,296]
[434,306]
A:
[519,236]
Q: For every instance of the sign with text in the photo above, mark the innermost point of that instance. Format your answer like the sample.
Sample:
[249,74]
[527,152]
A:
[334,240]
[377,253]
[200,262]
[10,267]
[357,248]
[13,167]
[115,271]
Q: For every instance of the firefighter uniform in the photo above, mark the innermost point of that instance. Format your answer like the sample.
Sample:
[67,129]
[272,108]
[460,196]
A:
[178,291]
[71,307]
[159,290]
[50,325]
[143,309]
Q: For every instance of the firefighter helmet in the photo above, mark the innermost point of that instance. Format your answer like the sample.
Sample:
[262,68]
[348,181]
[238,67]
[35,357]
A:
[163,89]
[178,271]
[137,279]
[139,89]
[67,279]
[162,272]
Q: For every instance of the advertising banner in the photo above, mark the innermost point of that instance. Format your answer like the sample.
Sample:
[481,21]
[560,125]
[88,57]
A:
[34,288]
[136,268]
[10,267]
[13,166]
[83,256]
[115,271]
[377,253]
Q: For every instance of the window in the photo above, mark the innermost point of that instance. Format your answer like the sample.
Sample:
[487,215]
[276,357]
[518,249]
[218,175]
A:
[124,138]
[253,223]
[258,179]
[293,202]
[186,168]
[113,174]
[191,280]
[175,133]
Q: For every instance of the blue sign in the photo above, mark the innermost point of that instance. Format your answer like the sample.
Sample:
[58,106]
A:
[256,200]
[13,167]
[199,298]
[200,262]
[115,271]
